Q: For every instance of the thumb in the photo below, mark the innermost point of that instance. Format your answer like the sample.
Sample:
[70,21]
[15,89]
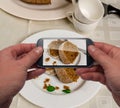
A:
[99,56]
[31,58]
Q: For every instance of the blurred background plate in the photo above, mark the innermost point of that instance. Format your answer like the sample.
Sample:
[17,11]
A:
[55,4]
[33,12]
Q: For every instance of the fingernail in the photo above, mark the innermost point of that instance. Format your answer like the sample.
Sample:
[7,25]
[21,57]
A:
[92,48]
[38,50]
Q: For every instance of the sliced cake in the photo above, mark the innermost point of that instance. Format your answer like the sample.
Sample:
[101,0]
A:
[68,52]
[53,48]
[37,1]
[66,75]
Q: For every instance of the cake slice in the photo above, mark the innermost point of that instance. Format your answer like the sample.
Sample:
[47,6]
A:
[66,75]
[53,48]
[68,52]
[37,1]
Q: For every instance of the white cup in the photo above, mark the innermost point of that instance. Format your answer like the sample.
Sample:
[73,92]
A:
[88,11]
[81,27]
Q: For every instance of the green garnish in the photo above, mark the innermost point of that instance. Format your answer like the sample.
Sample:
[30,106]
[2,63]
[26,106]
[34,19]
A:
[67,91]
[50,88]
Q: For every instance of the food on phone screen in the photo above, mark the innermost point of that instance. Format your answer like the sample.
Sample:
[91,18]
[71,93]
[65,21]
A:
[47,59]
[68,52]
[54,63]
[64,51]
[53,48]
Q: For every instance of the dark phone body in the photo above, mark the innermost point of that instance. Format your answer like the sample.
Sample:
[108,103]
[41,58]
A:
[89,60]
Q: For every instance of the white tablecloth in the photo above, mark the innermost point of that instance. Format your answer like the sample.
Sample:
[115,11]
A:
[13,30]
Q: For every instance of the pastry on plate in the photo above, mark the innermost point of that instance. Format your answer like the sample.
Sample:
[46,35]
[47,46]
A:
[50,71]
[68,52]
[66,75]
[37,1]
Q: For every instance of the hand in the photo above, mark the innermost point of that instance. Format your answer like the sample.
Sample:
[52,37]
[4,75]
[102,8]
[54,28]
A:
[14,63]
[108,70]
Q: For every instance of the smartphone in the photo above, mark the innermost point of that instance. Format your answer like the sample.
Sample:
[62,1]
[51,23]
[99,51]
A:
[65,52]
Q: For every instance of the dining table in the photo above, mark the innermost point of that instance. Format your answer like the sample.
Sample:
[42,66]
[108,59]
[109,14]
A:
[13,30]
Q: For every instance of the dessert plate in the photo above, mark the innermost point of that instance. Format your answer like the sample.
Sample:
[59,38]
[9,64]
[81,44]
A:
[33,12]
[55,4]
[81,91]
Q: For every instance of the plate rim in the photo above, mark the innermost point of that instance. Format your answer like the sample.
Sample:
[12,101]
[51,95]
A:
[33,14]
[29,82]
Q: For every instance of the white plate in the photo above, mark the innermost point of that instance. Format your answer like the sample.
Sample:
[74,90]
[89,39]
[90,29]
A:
[33,12]
[54,5]
[81,92]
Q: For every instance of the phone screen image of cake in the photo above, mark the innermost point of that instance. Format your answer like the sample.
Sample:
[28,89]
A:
[62,52]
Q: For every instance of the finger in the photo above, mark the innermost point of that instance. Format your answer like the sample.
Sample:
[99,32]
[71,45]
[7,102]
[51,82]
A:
[98,68]
[80,71]
[99,56]
[21,48]
[31,58]
[34,66]
[94,76]
[35,73]
[104,47]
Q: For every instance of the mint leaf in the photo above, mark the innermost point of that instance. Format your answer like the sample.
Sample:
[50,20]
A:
[50,88]
[67,91]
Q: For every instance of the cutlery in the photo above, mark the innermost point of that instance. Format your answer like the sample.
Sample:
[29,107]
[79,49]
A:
[82,50]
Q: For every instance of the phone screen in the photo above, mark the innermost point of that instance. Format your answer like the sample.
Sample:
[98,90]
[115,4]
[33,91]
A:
[64,52]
